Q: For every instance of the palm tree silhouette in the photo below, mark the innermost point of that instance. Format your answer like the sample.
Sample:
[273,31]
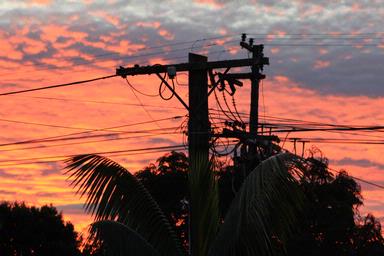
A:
[128,221]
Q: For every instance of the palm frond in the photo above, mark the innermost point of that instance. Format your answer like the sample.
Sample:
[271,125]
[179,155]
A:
[112,193]
[204,203]
[115,239]
[263,213]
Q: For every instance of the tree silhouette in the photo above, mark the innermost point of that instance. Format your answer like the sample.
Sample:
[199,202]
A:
[129,220]
[31,231]
[331,223]
[167,182]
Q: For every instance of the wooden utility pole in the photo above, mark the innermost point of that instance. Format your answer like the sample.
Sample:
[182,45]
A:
[259,60]
[198,126]
[199,132]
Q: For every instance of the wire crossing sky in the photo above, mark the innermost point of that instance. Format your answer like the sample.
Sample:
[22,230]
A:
[59,97]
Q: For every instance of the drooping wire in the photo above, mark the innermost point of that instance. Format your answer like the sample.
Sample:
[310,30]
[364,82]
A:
[334,170]
[137,56]
[229,109]
[58,85]
[161,90]
[140,92]
[236,111]
[221,108]
[177,81]
[141,103]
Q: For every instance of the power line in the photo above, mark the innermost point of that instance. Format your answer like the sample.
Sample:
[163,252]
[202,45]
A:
[65,84]
[66,136]
[323,45]
[100,102]
[337,141]
[367,128]
[58,85]
[304,123]
[339,172]
[35,160]
[126,152]
[62,138]
[120,58]
[359,179]
[86,142]
[333,34]
[45,125]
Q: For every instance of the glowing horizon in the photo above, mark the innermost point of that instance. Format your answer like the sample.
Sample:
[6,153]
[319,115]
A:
[322,70]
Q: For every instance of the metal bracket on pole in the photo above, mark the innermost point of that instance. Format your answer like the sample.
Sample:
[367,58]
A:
[212,78]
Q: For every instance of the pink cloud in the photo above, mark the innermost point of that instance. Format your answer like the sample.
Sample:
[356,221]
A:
[125,47]
[8,50]
[30,46]
[154,24]
[320,64]
[166,34]
[323,51]
[211,3]
[40,2]
[275,50]
[52,32]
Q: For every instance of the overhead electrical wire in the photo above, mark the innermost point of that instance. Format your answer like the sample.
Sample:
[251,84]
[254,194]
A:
[99,102]
[88,142]
[62,138]
[333,37]
[58,85]
[45,125]
[284,122]
[62,157]
[334,170]
[124,152]
[366,128]
[337,141]
[140,102]
[266,37]
[97,56]
[67,136]
[124,58]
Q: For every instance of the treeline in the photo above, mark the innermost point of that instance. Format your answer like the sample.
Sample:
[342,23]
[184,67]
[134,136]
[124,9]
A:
[330,223]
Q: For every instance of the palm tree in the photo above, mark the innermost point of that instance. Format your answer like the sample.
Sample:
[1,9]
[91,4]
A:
[128,221]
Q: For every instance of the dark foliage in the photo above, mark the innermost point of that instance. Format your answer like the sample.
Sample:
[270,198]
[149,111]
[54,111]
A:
[331,224]
[167,183]
[35,231]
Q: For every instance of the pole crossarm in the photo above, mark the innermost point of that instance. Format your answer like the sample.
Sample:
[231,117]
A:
[148,70]
[245,136]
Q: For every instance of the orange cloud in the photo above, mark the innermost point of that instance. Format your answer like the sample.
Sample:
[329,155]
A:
[166,34]
[275,50]
[320,64]
[211,3]
[52,32]
[8,50]
[40,2]
[125,47]
[154,25]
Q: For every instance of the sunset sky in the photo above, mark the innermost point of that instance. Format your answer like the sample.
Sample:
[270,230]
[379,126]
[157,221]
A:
[326,66]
